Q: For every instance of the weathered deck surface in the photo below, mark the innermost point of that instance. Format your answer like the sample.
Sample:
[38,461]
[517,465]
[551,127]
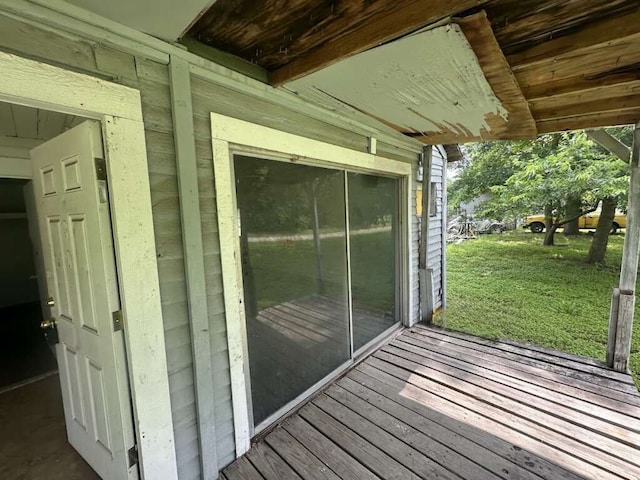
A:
[438,405]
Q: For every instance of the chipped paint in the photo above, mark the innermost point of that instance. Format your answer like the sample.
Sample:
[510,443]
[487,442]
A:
[426,82]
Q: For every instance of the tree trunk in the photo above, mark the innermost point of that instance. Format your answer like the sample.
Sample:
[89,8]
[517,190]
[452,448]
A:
[574,206]
[549,235]
[549,230]
[600,240]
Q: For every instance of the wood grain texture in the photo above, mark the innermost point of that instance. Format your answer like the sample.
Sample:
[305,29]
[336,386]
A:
[521,24]
[311,32]
[456,406]
[592,120]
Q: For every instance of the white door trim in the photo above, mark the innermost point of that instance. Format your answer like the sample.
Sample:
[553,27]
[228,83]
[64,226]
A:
[35,84]
[229,134]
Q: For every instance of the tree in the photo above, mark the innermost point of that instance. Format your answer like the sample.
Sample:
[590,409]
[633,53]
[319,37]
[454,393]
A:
[564,175]
[598,248]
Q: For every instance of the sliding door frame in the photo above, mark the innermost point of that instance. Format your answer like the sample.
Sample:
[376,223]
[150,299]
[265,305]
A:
[231,136]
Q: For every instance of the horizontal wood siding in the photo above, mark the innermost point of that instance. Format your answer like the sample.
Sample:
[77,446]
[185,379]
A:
[209,98]
[413,245]
[435,250]
[153,82]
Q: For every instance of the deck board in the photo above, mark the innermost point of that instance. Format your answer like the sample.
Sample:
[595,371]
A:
[442,405]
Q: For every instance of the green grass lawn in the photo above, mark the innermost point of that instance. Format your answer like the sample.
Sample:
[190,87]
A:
[509,287]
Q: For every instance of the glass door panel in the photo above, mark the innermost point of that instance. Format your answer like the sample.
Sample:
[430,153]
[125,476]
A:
[373,221]
[294,267]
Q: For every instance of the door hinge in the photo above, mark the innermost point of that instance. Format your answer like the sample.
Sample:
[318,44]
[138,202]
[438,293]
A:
[118,321]
[133,455]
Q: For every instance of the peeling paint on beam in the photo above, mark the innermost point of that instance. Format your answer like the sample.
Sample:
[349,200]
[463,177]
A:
[428,82]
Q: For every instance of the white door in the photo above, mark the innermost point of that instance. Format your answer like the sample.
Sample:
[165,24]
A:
[73,214]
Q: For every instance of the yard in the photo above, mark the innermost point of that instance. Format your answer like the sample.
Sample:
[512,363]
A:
[509,287]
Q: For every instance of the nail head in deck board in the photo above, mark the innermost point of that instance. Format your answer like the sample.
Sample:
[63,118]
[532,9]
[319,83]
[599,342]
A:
[270,465]
[493,422]
[522,372]
[467,440]
[401,450]
[369,455]
[343,464]
[301,460]
[564,436]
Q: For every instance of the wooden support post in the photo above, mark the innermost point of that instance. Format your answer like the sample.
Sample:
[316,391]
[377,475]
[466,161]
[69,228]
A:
[425,275]
[621,320]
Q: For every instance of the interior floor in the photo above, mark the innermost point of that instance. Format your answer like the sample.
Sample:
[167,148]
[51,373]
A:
[33,439]
[24,352]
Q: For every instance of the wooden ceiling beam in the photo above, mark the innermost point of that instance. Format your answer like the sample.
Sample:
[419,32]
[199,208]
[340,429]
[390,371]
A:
[589,121]
[606,58]
[574,97]
[568,87]
[591,37]
[608,105]
[405,17]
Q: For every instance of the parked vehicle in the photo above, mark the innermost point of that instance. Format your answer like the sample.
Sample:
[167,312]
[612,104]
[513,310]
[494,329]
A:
[536,222]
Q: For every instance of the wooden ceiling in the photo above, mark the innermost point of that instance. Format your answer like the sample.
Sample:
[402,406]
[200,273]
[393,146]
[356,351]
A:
[33,123]
[576,63]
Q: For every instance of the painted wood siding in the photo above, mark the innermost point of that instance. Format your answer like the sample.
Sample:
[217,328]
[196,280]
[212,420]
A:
[153,82]
[209,98]
[435,250]
[152,79]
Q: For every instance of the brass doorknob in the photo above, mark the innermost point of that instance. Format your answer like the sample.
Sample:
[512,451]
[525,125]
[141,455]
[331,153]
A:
[49,323]
[51,302]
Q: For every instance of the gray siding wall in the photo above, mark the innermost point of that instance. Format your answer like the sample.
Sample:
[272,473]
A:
[152,79]
[209,98]
[435,250]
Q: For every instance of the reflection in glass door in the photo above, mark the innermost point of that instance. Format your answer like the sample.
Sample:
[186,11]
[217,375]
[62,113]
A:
[295,241]
[294,268]
[372,231]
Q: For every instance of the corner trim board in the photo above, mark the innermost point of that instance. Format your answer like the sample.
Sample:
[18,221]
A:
[182,111]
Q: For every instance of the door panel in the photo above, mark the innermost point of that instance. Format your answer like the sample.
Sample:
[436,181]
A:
[373,219]
[295,277]
[81,278]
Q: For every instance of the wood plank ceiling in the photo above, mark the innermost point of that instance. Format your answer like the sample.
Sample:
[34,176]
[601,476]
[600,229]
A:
[32,123]
[574,63]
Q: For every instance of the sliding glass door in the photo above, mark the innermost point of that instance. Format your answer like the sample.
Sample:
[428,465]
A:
[373,217]
[318,249]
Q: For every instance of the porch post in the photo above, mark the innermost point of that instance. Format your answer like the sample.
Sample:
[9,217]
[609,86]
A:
[623,300]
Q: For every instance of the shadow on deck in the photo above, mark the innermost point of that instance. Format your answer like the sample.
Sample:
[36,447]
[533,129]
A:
[443,405]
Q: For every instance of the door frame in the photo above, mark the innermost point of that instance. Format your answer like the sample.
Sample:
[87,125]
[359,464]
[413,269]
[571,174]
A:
[119,110]
[230,135]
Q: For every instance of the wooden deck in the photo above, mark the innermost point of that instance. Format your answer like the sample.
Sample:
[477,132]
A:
[442,405]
